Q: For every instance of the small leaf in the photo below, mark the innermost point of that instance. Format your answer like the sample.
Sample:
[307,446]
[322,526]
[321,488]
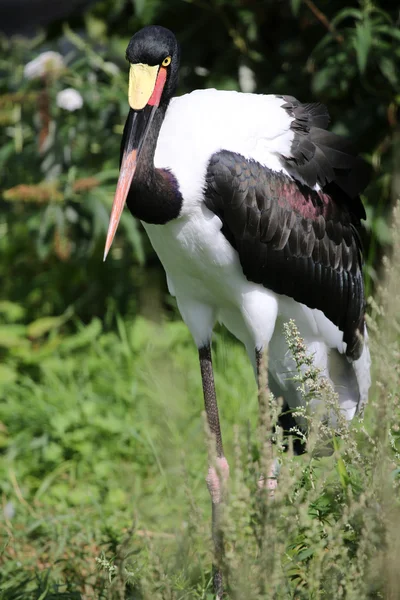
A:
[41,326]
[392,31]
[323,79]
[354,13]
[362,44]
[11,311]
[86,336]
[388,69]
[304,554]
[12,336]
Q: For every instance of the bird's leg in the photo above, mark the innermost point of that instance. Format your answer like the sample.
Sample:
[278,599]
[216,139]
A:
[271,480]
[217,473]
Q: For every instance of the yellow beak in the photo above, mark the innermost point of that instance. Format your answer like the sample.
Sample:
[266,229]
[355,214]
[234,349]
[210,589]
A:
[142,81]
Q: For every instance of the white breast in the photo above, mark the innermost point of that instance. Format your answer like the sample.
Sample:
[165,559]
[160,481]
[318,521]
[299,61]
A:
[206,121]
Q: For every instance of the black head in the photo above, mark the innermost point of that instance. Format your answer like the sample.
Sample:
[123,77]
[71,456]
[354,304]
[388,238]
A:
[151,46]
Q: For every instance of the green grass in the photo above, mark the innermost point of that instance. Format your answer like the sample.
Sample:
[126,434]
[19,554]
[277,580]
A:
[103,462]
[106,436]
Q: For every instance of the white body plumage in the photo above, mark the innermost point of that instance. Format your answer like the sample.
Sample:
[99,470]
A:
[203,269]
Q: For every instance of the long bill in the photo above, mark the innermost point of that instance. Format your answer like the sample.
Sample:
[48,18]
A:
[145,88]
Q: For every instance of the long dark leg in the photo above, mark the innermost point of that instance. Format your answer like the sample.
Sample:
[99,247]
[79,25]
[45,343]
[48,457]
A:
[214,483]
[271,480]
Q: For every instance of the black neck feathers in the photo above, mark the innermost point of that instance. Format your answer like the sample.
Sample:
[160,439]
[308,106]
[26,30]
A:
[154,196]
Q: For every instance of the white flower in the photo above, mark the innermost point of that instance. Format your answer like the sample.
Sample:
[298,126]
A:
[69,99]
[201,71]
[247,79]
[46,62]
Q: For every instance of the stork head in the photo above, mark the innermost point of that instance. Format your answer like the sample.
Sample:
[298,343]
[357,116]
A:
[153,54]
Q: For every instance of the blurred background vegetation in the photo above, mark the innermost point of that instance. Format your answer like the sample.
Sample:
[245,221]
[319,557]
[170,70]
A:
[75,334]
[59,167]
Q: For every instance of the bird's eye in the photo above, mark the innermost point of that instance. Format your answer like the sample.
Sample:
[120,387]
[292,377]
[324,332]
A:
[166,62]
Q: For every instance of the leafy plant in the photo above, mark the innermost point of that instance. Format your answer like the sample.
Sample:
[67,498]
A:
[59,166]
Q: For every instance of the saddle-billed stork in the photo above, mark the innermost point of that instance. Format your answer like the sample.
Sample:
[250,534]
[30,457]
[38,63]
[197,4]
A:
[253,209]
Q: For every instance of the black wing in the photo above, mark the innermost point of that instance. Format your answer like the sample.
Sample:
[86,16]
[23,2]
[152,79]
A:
[292,239]
[320,156]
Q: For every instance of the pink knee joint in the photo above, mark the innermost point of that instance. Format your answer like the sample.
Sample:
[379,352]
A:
[216,479]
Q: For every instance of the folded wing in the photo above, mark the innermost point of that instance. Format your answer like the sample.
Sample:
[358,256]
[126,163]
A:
[297,233]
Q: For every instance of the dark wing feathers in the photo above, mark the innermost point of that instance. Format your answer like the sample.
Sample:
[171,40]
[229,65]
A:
[292,239]
[318,156]
[309,114]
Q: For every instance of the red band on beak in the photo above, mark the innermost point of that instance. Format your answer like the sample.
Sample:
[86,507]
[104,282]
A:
[158,88]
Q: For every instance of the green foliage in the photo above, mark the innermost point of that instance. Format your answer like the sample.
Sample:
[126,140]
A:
[59,167]
[103,489]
